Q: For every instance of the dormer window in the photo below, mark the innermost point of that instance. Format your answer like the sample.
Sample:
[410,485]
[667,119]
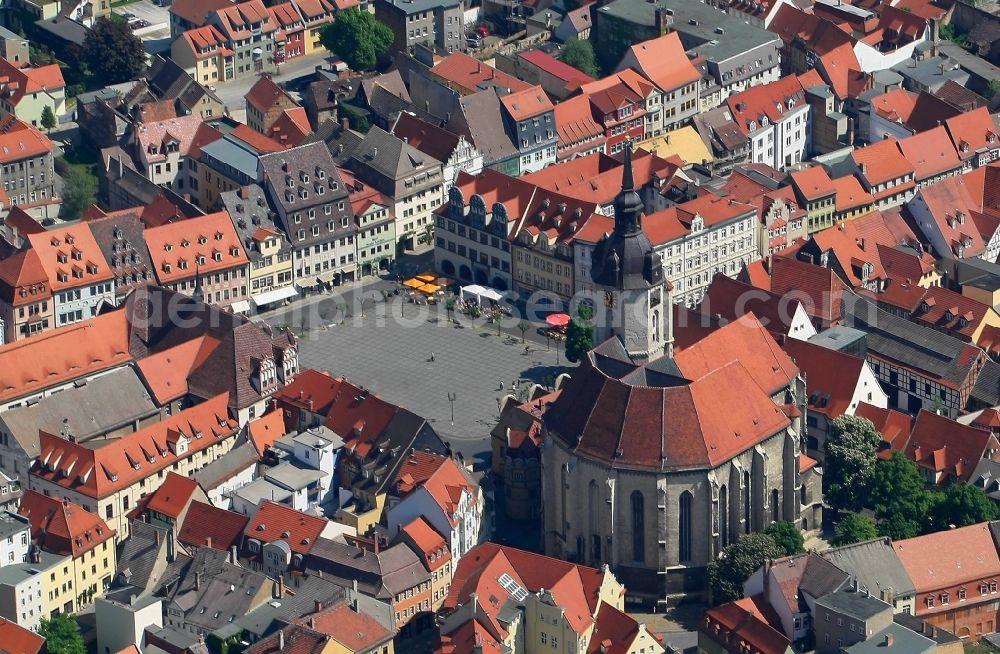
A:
[202,240]
[77,255]
[201,259]
[236,251]
[185,243]
[168,247]
[217,256]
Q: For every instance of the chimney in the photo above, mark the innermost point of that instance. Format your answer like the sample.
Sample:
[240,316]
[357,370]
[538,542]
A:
[317,606]
[888,640]
[279,587]
[281,640]
[171,553]
[312,622]
[208,542]
[197,580]
[158,535]
[354,586]
[232,555]
[345,123]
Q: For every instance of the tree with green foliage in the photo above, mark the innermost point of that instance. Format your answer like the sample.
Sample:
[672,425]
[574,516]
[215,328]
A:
[523,326]
[579,334]
[79,191]
[849,464]
[579,53]
[48,118]
[901,499]
[963,505]
[358,38]
[737,562]
[787,536]
[991,89]
[62,635]
[114,53]
[854,528]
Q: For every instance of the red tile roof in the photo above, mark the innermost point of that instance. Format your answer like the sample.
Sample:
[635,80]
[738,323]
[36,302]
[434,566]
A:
[71,257]
[770,100]
[166,372]
[206,41]
[931,153]
[16,82]
[614,632]
[173,495]
[842,70]
[949,558]
[357,632]
[18,640]
[882,162]
[275,521]
[575,588]
[206,244]
[742,624]
[832,377]
[115,465]
[813,183]
[464,74]
[265,431]
[257,141]
[196,11]
[430,545]
[151,139]
[291,127]
[525,104]
[850,194]
[236,21]
[295,639]
[730,298]
[951,204]
[23,280]
[663,61]
[209,526]
[558,69]
[64,354]
[973,131]
[61,526]
[947,447]
[818,288]
[265,94]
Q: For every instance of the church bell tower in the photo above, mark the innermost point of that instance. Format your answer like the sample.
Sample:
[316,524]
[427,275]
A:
[633,298]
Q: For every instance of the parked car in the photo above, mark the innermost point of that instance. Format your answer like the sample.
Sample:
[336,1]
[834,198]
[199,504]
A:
[483,31]
[474,41]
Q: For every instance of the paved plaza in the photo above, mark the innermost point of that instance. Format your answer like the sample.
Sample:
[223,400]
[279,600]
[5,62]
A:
[391,356]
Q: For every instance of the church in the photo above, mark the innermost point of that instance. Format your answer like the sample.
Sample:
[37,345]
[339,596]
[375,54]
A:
[657,454]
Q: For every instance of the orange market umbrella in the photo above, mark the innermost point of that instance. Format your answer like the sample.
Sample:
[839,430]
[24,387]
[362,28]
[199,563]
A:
[429,289]
[413,283]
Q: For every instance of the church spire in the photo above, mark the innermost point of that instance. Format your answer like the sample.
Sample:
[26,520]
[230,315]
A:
[628,204]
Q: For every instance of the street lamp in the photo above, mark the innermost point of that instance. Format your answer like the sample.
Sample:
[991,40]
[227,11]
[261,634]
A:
[451,398]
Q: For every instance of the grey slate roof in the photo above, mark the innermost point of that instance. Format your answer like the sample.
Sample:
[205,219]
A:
[480,119]
[91,409]
[859,604]
[139,554]
[418,6]
[875,564]
[339,141]
[293,477]
[11,524]
[249,211]
[907,342]
[227,466]
[281,169]
[261,489]
[268,618]
[123,246]
[392,82]
[904,641]
[739,36]
[381,575]
[391,156]
[986,390]
[230,152]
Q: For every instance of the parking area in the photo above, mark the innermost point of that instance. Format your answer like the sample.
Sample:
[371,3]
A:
[146,11]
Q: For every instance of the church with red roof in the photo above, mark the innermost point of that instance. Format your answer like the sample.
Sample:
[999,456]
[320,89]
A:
[664,452]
